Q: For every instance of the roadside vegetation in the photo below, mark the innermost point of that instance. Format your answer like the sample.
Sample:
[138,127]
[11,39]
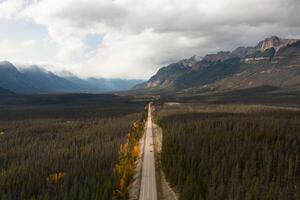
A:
[128,154]
[63,150]
[232,151]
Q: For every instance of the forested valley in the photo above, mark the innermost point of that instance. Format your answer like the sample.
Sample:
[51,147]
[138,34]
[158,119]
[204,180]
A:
[234,153]
[63,147]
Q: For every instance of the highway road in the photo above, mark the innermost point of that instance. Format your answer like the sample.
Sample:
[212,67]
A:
[148,189]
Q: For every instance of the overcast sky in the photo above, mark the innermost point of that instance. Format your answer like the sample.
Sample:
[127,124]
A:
[133,38]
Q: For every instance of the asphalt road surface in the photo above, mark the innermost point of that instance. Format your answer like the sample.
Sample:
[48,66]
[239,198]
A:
[148,183]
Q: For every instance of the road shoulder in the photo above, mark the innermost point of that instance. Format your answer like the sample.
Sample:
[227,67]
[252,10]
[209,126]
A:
[165,192]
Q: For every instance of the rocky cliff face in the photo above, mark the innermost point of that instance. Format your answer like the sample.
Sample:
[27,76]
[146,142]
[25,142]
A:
[274,42]
[273,62]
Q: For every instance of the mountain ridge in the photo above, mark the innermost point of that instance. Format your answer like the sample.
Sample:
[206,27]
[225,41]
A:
[272,62]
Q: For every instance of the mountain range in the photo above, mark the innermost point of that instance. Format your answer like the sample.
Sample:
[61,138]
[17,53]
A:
[35,79]
[273,62]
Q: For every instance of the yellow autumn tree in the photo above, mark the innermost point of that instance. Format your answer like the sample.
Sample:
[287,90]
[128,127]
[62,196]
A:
[56,177]
[128,154]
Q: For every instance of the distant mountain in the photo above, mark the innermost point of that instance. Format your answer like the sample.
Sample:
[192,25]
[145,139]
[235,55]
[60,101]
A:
[12,79]
[35,79]
[102,84]
[5,92]
[273,62]
[46,81]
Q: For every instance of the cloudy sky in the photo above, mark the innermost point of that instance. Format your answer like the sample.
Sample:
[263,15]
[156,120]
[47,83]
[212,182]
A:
[133,38]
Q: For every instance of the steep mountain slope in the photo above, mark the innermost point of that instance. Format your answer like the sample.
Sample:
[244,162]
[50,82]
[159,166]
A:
[273,62]
[280,69]
[12,79]
[166,76]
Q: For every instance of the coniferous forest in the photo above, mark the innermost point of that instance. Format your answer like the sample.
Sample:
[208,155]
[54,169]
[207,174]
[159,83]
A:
[63,150]
[85,147]
[232,155]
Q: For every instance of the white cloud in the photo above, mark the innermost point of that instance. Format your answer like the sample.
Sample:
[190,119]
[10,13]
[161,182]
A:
[27,51]
[142,35]
[10,8]
[137,54]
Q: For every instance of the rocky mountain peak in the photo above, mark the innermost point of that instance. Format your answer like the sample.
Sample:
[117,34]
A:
[196,58]
[274,42]
[220,56]
[191,62]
